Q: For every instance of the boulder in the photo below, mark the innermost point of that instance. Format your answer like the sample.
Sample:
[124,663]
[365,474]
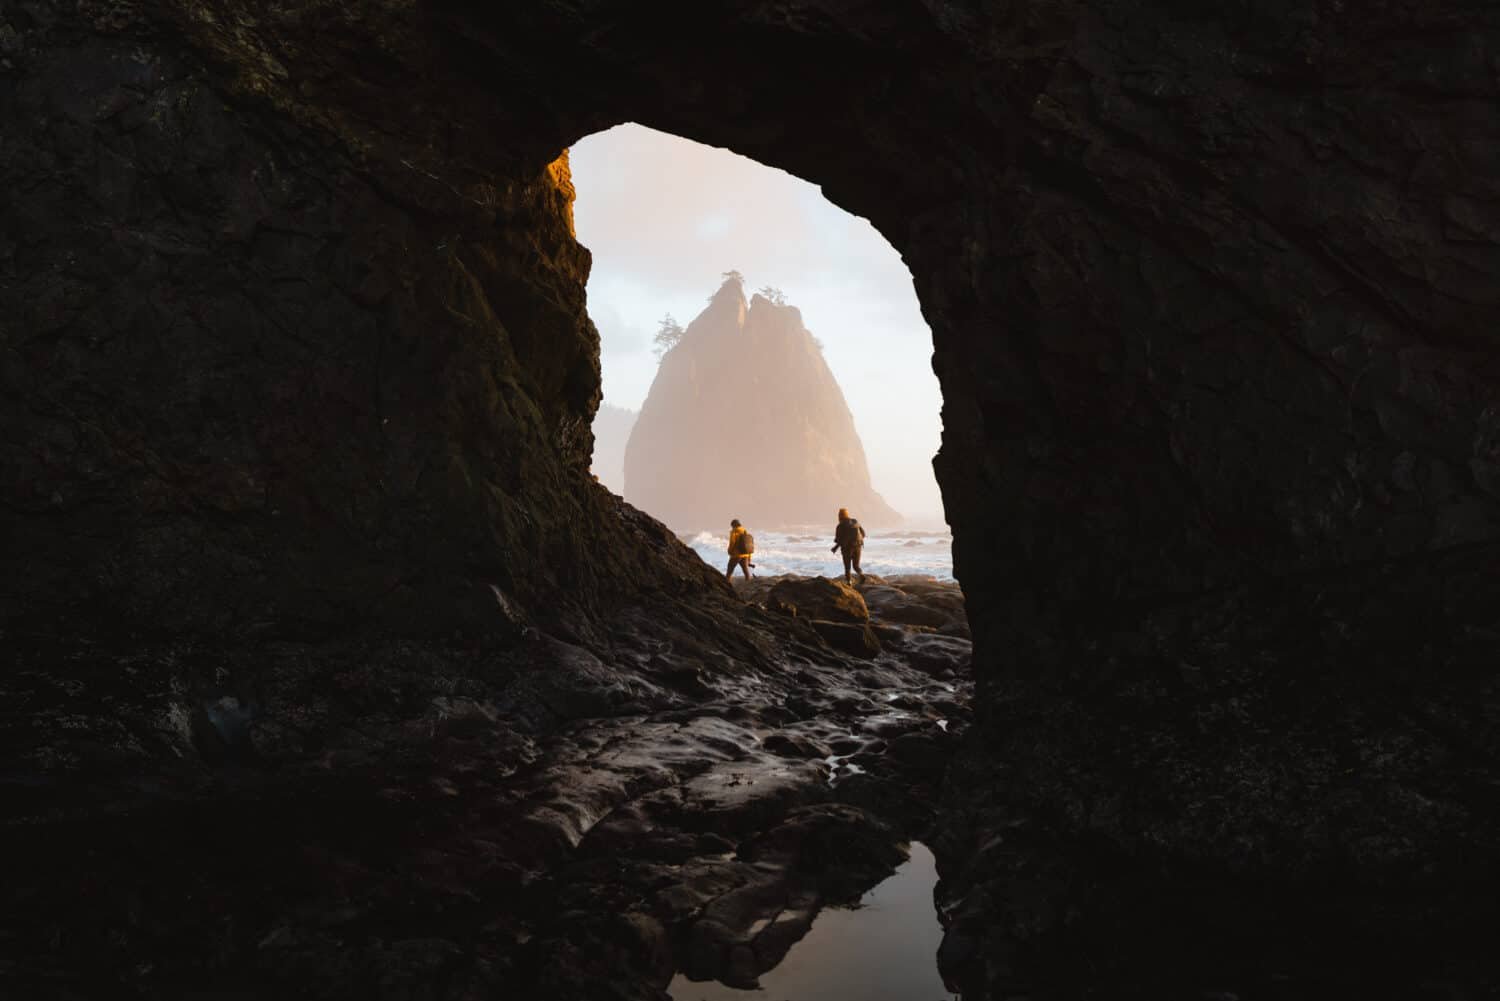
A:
[854,638]
[918,601]
[820,598]
[907,612]
[794,745]
[933,653]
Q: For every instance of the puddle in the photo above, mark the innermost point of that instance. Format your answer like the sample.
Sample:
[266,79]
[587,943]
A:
[884,950]
[839,768]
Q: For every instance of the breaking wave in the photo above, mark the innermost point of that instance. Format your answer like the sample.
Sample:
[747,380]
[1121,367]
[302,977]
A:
[806,553]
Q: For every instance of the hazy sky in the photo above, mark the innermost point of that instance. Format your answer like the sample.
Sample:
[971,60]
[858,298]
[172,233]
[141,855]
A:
[665,217]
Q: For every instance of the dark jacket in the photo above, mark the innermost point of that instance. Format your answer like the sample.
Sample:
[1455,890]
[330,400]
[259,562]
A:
[849,535]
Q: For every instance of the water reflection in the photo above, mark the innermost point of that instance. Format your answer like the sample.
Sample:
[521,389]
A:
[884,950]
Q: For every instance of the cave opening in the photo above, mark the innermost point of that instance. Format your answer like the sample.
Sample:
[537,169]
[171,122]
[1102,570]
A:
[764,358]
[803,387]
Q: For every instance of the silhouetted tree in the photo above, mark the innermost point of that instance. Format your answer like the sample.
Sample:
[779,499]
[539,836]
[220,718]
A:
[668,333]
[730,276]
[774,295]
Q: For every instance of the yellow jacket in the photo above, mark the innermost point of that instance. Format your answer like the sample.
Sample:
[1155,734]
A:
[734,540]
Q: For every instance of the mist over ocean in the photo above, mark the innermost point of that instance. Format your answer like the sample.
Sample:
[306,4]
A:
[805,552]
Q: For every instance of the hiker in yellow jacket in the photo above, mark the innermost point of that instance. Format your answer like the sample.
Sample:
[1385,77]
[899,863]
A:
[741,548]
[849,535]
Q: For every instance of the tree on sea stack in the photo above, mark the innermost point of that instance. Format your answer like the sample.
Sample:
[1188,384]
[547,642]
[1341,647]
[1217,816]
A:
[773,295]
[668,334]
[731,275]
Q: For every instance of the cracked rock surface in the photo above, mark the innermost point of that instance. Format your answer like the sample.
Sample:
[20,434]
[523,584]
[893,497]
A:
[538,827]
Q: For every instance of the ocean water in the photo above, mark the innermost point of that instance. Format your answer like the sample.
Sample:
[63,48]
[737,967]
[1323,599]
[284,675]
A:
[805,552]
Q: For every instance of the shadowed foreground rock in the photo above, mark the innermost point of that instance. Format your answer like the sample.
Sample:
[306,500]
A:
[544,827]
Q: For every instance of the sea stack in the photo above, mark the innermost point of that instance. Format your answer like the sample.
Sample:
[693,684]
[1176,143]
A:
[745,420]
[612,427]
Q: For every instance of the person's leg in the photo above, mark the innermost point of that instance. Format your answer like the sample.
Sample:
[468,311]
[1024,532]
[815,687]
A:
[846,565]
[729,570]
[855,557]
[745,566]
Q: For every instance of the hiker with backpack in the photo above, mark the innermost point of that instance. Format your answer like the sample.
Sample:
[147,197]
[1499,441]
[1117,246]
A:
[849,535]
[741,548]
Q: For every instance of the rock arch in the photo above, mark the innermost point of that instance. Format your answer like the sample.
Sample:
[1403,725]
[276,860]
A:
[296,344]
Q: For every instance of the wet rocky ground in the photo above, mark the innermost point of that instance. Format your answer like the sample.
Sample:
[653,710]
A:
[546,822]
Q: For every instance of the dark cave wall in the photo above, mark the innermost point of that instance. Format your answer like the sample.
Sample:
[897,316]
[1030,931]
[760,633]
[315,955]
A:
[1211,296]
[1241,319]
[1230,439]
[268,372]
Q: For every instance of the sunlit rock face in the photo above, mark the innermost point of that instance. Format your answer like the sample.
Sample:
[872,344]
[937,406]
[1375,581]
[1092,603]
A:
[745,420]
[295,345]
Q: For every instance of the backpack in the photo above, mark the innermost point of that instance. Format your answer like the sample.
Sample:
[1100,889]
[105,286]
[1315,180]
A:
[747,545]
[850,534]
